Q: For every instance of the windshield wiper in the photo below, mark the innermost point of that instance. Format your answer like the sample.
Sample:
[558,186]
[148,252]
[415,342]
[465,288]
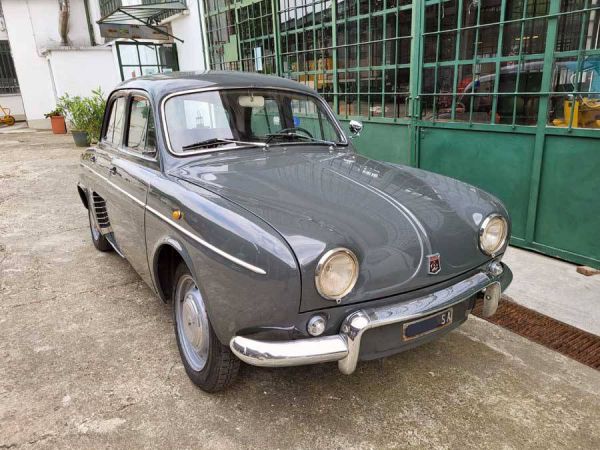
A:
[296,134]
[217,141]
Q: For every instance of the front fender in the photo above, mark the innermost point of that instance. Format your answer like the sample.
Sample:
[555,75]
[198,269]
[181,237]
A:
[174,243]
[237,299]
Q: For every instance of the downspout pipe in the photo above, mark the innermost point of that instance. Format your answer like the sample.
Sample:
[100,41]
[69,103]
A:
[204,37]
[63,22]
[88,17]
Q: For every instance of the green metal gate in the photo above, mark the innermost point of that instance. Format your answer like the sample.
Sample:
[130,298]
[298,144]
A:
[500,93]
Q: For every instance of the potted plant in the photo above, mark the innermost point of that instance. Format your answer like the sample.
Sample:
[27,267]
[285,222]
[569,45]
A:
[57,119]
[85,116]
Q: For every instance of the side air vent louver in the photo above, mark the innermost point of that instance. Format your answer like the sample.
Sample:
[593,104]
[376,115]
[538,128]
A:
[100,211]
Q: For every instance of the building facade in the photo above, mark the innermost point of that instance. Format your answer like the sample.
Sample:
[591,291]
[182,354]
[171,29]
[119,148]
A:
[503,94]
[63,46]
[10,94]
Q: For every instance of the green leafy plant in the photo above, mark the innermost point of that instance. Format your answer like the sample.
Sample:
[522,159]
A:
[84,113]
[55,112]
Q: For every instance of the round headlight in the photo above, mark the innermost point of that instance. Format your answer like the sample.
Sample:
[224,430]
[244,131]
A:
[336,274]
[493,234]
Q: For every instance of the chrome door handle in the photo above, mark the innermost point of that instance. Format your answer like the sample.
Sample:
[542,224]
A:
[112,170]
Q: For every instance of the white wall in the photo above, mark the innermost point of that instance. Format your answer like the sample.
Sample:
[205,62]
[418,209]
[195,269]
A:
[77,72]
[187,27]
[14,103]
[31,67]
[45,69]
[44,19]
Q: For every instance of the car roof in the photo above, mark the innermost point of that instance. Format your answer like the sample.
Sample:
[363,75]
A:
[162,84]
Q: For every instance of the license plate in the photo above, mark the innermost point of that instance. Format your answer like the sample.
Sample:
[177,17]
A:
[420,327]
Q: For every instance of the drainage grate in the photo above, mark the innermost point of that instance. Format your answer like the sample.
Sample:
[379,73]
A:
[570,341]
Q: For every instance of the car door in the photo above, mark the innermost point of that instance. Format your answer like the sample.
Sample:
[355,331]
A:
[100,161]
[133,163]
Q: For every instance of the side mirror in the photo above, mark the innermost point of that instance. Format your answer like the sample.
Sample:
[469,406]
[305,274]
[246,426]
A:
[355,128]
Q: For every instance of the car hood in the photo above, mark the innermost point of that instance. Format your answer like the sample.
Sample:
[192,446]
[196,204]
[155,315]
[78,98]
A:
[393,217]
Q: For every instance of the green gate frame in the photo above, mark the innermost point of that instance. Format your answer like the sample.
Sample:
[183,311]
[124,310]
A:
[423,137]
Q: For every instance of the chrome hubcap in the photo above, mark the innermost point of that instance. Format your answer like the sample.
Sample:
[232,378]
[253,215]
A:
[192,323]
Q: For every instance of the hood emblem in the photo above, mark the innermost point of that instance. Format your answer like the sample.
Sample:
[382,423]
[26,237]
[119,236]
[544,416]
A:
[434,263]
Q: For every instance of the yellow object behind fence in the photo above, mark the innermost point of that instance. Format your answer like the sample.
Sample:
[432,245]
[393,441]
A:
[586,114]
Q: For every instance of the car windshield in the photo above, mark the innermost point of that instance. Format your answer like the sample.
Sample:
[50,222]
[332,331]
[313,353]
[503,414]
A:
[227,119]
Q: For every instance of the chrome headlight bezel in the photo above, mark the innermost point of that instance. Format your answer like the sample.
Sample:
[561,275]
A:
[502,243]
[337,297]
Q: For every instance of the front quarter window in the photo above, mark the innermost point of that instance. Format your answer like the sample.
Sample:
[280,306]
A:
[236,117]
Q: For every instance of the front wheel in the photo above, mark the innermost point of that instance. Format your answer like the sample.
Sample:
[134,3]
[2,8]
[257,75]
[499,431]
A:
[210,365]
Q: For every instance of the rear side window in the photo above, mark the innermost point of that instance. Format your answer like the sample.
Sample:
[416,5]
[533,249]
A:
[141,133]
[114,131]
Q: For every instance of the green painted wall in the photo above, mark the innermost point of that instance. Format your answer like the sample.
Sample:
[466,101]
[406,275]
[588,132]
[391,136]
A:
[388,142]
[568,214]
[499,163]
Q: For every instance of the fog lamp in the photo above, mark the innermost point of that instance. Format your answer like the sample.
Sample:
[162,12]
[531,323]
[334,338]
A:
[316,325]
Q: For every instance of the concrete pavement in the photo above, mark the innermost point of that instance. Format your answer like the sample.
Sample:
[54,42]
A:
[554,288]
[88,357]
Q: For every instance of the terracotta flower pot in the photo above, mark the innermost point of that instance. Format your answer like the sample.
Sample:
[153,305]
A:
[58,125]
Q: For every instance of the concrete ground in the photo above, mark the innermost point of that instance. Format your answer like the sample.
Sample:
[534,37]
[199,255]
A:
[555,288]
[88,357]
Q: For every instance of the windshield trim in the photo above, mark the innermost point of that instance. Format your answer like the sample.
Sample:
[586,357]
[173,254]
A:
[163,119]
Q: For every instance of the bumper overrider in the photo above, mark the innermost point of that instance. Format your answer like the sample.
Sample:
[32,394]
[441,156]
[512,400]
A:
[345,346]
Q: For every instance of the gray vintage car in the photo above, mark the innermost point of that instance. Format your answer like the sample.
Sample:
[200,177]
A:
[238,198]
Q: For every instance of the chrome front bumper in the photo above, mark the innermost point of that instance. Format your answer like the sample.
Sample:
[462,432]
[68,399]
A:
[345,346]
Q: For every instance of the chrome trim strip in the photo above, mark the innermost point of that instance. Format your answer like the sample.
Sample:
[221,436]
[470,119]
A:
[178,227]
[345,346]
[202,242]
[124,192]
[163,118]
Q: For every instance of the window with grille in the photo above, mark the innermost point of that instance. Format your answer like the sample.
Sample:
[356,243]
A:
[489,62]
[355,53]
[484,62]
[9,84]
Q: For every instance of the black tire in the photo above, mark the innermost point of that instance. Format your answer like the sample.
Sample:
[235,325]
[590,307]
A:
[99,240]
[220,365]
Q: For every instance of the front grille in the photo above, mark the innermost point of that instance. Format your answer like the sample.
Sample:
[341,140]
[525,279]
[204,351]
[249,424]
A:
[100,211]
